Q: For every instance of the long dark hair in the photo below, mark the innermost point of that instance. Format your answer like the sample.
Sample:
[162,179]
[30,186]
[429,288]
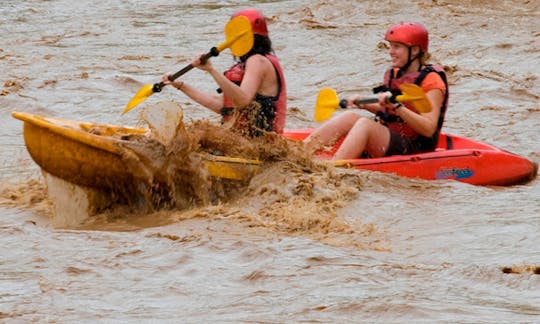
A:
[261,45]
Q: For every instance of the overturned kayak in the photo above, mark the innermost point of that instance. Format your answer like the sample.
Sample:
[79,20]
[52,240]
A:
[92,155]
[455,158]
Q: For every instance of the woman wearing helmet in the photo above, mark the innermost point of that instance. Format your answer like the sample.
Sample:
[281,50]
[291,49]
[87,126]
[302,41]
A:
[397,128]
[252,96]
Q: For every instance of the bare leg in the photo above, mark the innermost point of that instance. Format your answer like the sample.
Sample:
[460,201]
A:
[366,134]
[332,130]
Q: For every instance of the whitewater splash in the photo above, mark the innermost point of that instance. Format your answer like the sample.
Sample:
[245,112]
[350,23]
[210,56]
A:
[292,193]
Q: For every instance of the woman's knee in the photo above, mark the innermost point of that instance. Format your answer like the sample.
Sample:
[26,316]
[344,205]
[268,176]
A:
[364,123]
[350,115]
[345,121]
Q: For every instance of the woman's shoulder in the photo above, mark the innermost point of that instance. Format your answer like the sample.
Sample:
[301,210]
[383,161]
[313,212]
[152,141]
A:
[258,61]
[256,57]
[433,81]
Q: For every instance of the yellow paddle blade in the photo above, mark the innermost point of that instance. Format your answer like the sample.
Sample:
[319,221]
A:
[238,36]
[416,96]
[327,103]
[145,92]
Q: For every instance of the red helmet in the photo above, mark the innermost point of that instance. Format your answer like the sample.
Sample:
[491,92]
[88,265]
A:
[410,34]
[256,18]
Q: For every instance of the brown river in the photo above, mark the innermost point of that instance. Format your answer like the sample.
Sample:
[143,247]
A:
[324,246]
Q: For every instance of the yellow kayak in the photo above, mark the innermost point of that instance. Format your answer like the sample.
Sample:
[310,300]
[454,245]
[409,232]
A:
[96,155]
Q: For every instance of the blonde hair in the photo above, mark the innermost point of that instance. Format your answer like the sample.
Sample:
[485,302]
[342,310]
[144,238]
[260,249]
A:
[424,58]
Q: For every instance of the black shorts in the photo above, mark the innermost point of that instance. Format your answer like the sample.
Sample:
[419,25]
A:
[401,145]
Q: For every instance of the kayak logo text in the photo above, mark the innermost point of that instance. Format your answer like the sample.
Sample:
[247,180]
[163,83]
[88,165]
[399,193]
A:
[454,173]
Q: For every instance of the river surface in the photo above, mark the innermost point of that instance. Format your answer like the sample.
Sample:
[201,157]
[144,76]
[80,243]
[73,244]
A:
[365,247]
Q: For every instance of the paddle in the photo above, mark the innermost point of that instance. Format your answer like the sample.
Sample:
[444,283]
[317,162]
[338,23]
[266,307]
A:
[410,92]
[238,37]
[328,101]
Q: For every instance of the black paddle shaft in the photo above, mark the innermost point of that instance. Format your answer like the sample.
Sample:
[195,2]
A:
[343,102]
[157,87]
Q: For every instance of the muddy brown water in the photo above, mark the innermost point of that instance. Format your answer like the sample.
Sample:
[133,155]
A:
[319,246]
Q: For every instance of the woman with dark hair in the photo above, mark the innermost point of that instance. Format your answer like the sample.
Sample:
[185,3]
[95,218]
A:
[252,93]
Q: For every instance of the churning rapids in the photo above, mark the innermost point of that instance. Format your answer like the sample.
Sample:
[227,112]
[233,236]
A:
[301,243]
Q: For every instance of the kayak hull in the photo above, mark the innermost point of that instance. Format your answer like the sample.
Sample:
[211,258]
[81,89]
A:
[455,158]
[91,155]
[67,150]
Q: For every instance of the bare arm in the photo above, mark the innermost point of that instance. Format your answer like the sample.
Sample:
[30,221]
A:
[210,101]
[424,123]
[259,77]
[256,74]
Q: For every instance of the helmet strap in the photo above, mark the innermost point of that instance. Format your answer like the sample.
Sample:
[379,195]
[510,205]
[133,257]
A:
[403,69]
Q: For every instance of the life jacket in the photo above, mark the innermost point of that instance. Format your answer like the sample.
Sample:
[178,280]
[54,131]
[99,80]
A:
[271,111]
[395,123]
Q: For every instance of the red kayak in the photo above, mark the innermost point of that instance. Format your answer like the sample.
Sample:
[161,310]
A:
[455,158]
